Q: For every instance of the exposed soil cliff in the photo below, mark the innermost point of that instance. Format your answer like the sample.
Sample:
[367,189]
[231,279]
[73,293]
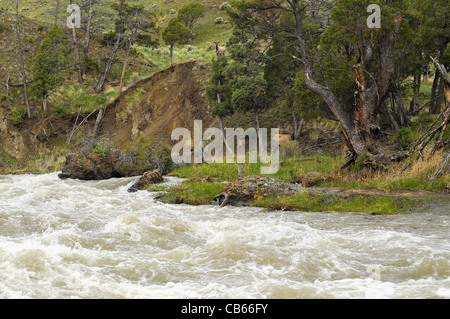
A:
[152,108]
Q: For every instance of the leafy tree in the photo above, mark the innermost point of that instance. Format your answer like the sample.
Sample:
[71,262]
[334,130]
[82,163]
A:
[52,56]
[175,33]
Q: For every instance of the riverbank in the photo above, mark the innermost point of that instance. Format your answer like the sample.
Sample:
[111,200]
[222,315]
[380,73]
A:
[322,186]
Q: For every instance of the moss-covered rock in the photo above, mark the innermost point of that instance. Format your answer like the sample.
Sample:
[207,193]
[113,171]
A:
[245,190]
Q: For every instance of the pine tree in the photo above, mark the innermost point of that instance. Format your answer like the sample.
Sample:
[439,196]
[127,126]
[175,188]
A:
[247,68]
[219,91]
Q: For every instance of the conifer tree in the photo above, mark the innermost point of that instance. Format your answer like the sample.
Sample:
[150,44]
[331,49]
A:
[52,56]
[175,33]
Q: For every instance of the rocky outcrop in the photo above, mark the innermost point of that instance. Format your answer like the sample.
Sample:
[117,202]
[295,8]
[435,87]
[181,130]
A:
[148,178]
[90,166]
[247,189]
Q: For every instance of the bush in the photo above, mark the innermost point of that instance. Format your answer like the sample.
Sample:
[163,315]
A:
[19,114]
[143,155]
[3,27]
[224,5]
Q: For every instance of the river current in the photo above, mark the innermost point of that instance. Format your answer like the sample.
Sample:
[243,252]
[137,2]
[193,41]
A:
[93,239]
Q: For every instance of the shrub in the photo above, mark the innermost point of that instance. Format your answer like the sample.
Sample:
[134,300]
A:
[143,155]
[218,20]
[224,5]
[3,27]
[19,114]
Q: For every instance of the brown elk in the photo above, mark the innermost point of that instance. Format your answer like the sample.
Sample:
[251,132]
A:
[220,50]
[283,138]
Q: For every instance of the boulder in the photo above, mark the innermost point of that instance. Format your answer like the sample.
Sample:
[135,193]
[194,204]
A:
[90,166]
[151,177]
[247,189]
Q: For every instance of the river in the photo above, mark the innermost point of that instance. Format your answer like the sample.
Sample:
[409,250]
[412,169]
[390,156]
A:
[93,239]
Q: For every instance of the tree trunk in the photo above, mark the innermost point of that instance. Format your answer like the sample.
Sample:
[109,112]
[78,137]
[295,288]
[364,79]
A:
[401,113]
[298,125]
[77,55]
[101,81]
[97,124]
[57,12]
[440,99]
[432,107]
[125,63]
[21,60]
[354,140]
[415,101]
[87,39]
[44,103]
[88,30]
[365,135]
[171,54]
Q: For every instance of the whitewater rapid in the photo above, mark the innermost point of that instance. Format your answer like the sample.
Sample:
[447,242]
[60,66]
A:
[93,239]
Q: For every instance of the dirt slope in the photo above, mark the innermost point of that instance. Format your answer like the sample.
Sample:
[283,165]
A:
[152,108]
[155,106]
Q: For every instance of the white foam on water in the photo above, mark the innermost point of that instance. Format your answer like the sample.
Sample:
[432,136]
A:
[93,239]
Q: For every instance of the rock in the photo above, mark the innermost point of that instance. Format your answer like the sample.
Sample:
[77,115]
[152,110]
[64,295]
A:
[247,189]
[148,178]
[90,166]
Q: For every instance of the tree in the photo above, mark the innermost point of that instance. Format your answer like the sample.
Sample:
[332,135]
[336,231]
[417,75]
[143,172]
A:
[280,73]
[372,65]
[219,91]
[175,33]
[189,14]
[435,35]
[48,62]
[23,73]
[130,25]
[246,69]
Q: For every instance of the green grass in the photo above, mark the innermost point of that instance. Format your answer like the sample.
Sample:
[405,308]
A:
[203,193]
[315,202]
[289,168]
[192,193]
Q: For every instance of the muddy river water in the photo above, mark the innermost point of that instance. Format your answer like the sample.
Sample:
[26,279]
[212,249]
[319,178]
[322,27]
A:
[93,239]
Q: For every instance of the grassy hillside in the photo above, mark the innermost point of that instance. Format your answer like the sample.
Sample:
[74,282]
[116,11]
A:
[207,31]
